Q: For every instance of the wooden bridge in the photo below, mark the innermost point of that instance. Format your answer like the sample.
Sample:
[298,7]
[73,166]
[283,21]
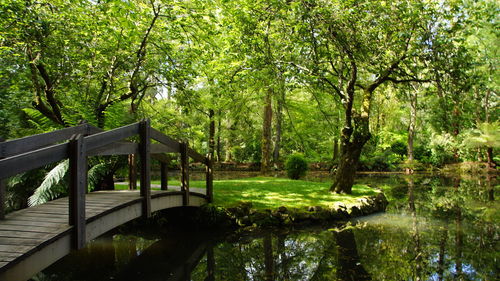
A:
[33,238]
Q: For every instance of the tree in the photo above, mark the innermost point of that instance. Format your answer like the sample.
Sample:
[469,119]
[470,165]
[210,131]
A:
[82,58]
[351,48]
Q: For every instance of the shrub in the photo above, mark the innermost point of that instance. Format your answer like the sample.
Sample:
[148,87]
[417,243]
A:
[399,148]
[296,166]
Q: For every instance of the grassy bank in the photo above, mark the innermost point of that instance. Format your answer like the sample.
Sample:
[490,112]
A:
[271,193]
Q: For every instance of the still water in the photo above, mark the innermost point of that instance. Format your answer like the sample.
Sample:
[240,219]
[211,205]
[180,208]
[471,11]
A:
[435,228]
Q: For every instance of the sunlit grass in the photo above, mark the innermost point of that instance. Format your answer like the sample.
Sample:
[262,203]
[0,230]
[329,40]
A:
[269,192]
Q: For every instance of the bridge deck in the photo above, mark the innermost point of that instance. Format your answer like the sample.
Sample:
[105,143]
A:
[33,238]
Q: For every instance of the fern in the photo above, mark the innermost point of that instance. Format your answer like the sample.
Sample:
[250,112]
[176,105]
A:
[39,121]
[96,173]
[52,186]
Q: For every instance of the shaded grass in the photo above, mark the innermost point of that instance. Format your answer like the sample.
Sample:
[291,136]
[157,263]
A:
[271,193]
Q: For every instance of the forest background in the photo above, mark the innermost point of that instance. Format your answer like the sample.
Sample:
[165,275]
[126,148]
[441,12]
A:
[378,85]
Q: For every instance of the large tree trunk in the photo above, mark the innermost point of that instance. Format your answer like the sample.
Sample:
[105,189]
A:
[416,232]
[442,253]
[349,263]
[211,134]
[219,157]
[352,142]
[489,156]
[228,141]
[346,171]
[411,128]
[266,134]
[277,141]
[268,257]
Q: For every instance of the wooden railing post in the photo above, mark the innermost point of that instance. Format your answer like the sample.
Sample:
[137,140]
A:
[164,175]
[209,178]
[78,188]
[145,155]
[2,186]
[132,172]
[184,173]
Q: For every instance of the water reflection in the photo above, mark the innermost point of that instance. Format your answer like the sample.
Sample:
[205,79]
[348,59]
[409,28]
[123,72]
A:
[434,229]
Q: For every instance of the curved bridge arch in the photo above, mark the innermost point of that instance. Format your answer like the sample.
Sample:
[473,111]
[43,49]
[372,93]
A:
[50,238]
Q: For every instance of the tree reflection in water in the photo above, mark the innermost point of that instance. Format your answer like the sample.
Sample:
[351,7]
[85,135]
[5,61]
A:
[434,229]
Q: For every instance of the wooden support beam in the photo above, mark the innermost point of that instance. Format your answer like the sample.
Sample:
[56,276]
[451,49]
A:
[166,140]
[164,175]
[29,143]
[132,172]
[3,192]
[145,155]
[195,155]
[78,188]
[2,188]
[108,137]
[184,173]
[14,165]
[116,148]
[209,177]
[161,157]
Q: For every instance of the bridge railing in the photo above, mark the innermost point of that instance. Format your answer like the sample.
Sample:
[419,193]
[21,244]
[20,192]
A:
[79,142]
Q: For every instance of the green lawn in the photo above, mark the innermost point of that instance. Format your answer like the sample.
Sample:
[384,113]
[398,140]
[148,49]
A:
[268,192]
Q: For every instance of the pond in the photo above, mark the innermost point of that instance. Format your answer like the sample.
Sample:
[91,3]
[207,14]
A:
[435,228]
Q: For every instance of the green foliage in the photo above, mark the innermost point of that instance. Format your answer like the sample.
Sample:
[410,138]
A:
[385,160]
[296,166]
[486,135]
[53,186]
[441,147]
[20,187]
[400,148]
[384,152]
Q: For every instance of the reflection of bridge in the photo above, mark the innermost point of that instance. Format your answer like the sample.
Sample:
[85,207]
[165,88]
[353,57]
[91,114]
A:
[170,260]
[35,237]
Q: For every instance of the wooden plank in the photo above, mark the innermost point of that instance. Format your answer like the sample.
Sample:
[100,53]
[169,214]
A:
[195,155]
[14,165]
[36,259]
[8,256]
[116,148]
[93,204]
[166,140]
[25,234]
[21,241]
[77,189]
[31,228]
[3,187]
[164,176]
[161,148]
[34,142]
[132,172]
[145,151]
[209,178]
[42,218]
[28,223]
[160,157]
[107,137]
[184,173]
[47,212]
[15,249]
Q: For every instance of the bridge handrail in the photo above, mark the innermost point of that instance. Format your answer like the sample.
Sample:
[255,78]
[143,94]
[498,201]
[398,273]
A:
[24,154]
[29,143]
